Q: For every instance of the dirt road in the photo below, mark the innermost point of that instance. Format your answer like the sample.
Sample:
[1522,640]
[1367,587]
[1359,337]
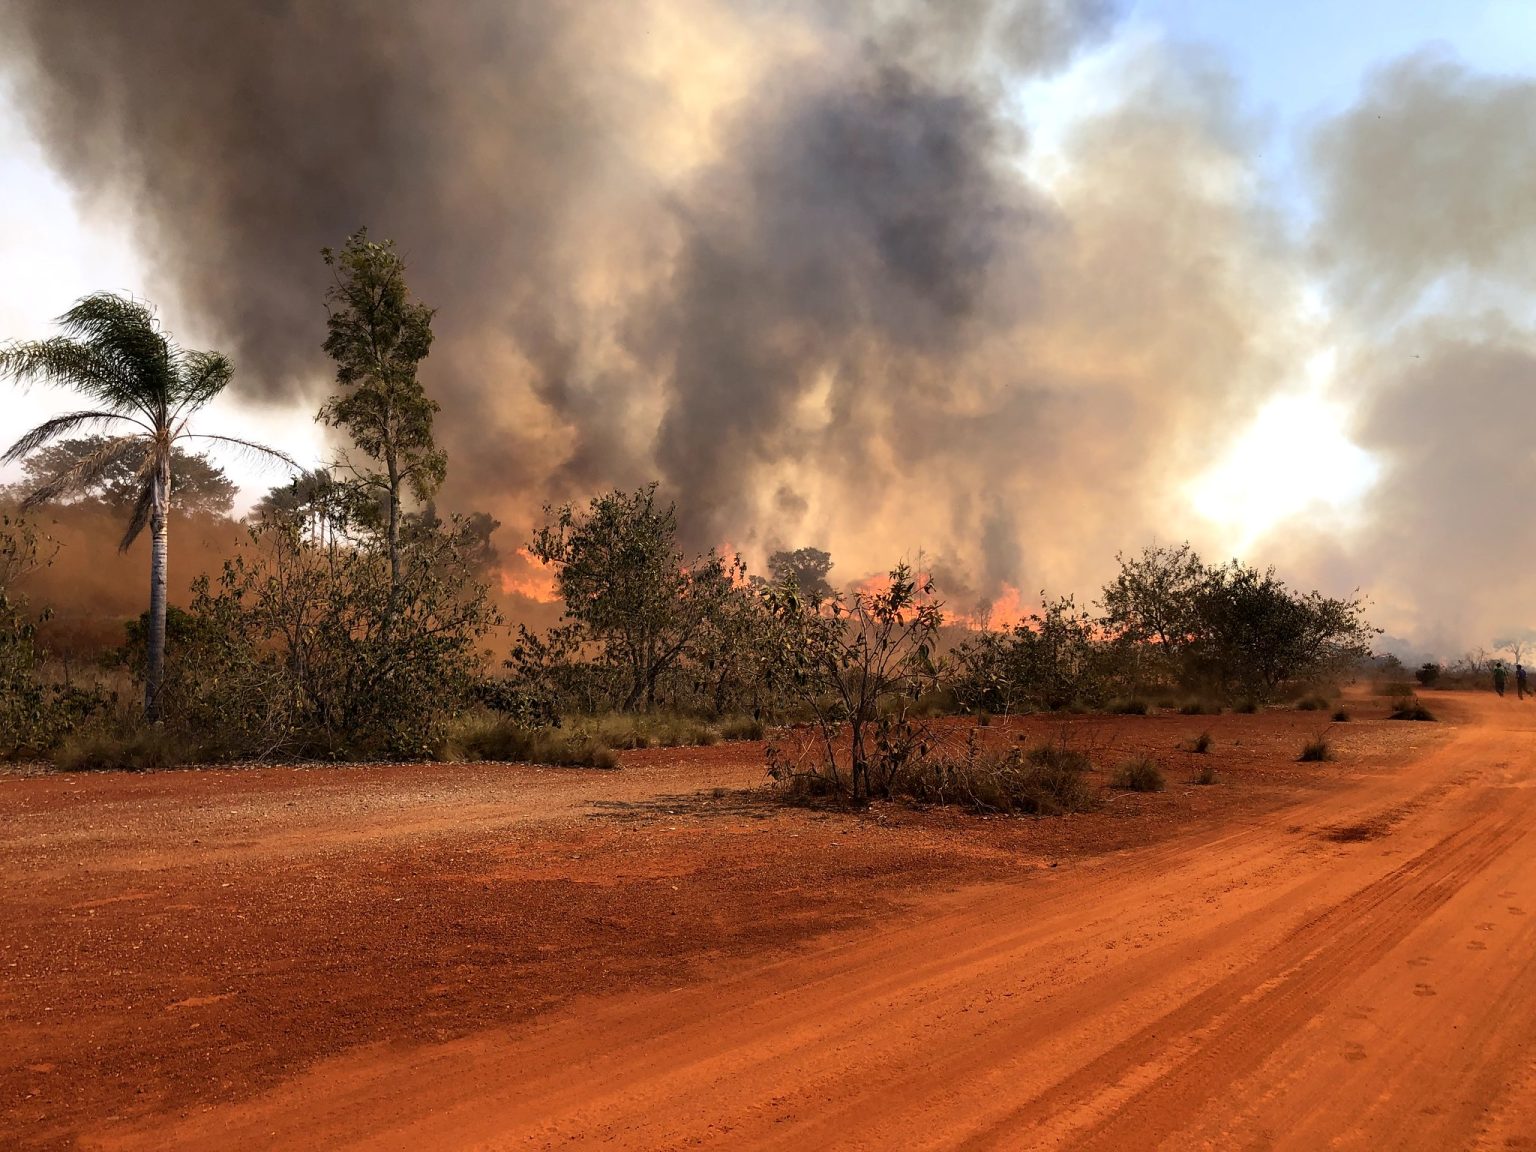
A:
[1358,972]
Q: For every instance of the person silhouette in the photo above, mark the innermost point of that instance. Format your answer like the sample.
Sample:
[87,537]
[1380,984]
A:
[1499,676]
[1520,681]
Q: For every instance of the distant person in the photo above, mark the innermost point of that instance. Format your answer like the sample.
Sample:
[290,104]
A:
[1520,681]
[1498,678]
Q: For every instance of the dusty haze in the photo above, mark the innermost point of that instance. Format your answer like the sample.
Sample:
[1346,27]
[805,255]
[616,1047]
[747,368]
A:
[789,259]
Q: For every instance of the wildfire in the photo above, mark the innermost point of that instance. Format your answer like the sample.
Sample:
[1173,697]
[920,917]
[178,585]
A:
[527,576]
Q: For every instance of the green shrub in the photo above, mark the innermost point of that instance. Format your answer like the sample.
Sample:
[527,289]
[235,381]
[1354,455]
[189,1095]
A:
[1130,707]
[1315,750]
[142,749]
[1140,774]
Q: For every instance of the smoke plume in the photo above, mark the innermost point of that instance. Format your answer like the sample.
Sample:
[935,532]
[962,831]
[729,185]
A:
[790,259]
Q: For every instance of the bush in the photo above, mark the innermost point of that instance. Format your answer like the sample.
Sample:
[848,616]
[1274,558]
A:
[1131,707]
[1410,708]
[1247,707]
[1316,750]
[1341,716]
[1199,708]
[1139,775]
[1047,780]
[648,730]
[741,728]
[1206,774]
[1427,674]
[1202,743]
[1312,704]
[496,738]
[137,750]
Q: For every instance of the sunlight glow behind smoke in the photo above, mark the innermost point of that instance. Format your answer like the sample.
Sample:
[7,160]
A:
[1294,458]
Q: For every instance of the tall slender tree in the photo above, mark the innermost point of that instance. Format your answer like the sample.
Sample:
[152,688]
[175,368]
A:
[378,335]
[144,388]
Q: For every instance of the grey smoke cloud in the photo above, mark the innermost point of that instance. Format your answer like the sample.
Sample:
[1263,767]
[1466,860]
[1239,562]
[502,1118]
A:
[789,258]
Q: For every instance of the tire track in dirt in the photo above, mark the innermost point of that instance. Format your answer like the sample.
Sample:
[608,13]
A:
[1226,1032]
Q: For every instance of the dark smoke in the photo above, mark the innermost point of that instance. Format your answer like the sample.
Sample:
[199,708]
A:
[785,257]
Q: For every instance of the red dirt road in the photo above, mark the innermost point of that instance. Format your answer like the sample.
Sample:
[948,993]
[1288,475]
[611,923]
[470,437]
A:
[1339,960]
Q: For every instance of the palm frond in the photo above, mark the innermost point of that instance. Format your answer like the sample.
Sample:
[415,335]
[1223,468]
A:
[59,426]
[62,362]
[200,377]
[83,473]
[140,518]
[248,449]
[125,333]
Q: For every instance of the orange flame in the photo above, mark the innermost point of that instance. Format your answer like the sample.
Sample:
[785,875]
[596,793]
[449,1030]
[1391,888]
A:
[531,578]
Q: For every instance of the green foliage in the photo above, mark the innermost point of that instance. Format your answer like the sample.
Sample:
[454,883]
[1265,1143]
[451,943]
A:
[145,389]
[303,649]
[378,338]
[1054,659]
[1140,774]
[849,656]
[34,715]
[631,595]
[805,570]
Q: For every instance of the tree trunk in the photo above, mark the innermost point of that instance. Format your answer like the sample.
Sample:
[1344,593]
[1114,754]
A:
[159,524]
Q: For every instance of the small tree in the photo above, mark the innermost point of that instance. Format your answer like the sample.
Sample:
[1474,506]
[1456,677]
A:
[859,651]
[804,568]
[198,485]
[378,337]
[623,577]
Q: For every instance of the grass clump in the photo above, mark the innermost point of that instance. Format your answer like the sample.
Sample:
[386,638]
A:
[1247,707]
[1316,751]
[648,730]
[1202,743]
[1131,707]
[1312,704]
[741,728]
[1410,708]
[1140,774]
[1341,716]
[1205,774]
[497,738]
[1199,708]
[137,750]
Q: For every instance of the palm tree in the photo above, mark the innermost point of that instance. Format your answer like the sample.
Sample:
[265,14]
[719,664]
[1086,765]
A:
[145,388]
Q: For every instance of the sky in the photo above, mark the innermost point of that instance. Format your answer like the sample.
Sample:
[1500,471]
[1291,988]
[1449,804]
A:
[1250,120]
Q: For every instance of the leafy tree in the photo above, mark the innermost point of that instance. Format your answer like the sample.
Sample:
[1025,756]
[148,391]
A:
[1255,635]
[378,338]
[1150,606]
[197,484]
[303,648]
[145,388]
[313,501]
[862,650]
[623,577]
[806,570]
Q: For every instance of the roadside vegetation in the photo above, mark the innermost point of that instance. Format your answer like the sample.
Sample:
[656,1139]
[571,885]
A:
[352,619]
